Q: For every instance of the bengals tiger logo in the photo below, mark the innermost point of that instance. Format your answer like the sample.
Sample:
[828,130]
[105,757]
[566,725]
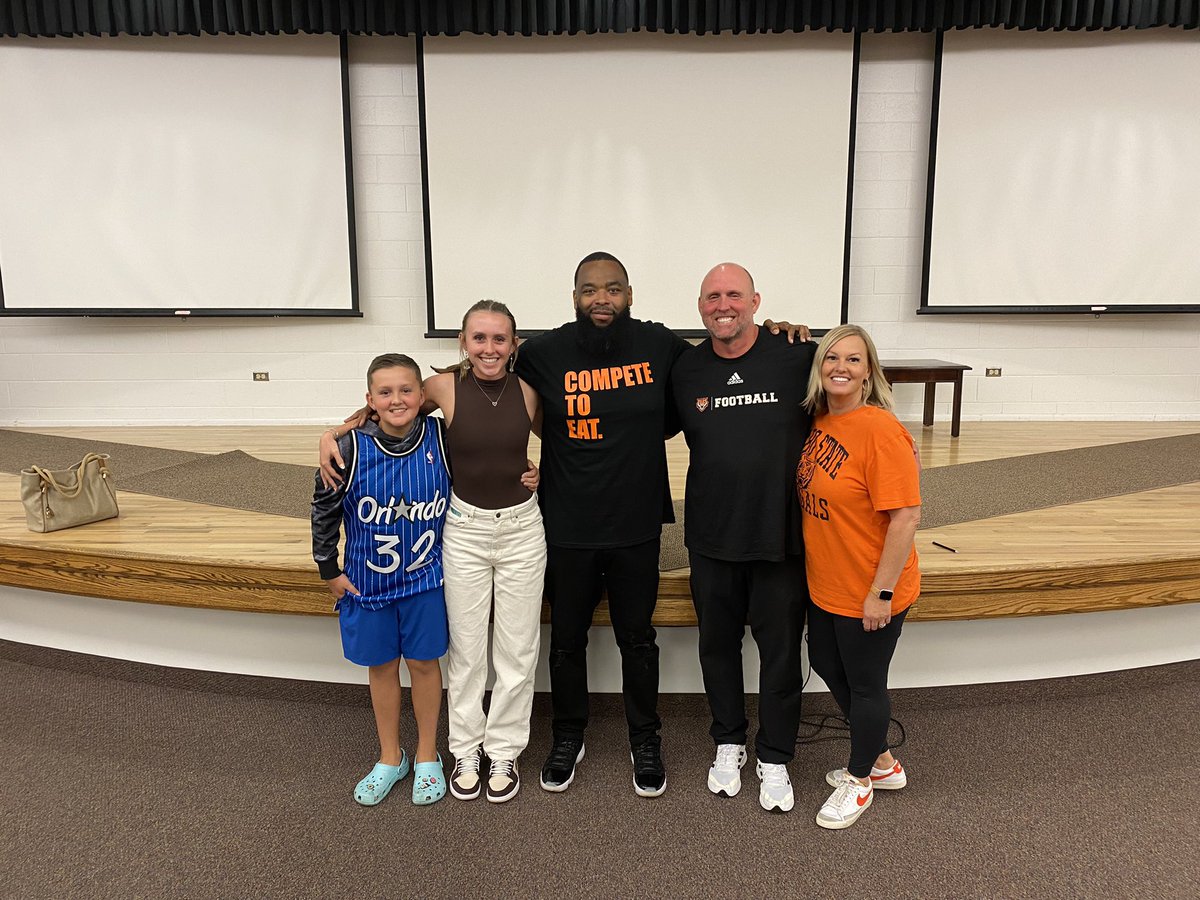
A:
[804,471]
[701,404]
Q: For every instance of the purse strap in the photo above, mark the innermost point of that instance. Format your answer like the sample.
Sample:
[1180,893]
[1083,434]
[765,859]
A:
[48,479]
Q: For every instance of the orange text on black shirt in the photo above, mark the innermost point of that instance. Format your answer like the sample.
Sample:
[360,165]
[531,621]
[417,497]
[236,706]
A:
[578,387]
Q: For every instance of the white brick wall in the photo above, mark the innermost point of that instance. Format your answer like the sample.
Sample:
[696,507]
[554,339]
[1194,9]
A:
[91,371]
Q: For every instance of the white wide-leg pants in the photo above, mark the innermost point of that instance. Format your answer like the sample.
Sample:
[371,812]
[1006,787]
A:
[486,554]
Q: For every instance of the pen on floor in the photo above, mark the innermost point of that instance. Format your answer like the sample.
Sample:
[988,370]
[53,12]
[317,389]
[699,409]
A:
[943,546]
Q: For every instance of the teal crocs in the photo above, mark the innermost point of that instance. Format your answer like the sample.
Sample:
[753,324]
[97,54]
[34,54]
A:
[379,781]
[429,782]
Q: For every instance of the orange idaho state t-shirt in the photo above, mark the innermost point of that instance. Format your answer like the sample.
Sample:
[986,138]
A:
[855,467]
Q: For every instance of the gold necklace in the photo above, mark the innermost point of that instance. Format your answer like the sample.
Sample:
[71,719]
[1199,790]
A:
[485,394]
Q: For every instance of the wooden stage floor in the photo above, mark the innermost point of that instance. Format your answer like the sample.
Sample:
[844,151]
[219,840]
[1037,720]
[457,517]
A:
[1140,549]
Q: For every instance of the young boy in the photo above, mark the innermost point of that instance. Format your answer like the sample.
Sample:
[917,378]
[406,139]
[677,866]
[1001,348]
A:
[392,504]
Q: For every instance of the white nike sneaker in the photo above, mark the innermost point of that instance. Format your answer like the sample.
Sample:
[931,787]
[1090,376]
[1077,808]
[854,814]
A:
[892,779]
[845,804]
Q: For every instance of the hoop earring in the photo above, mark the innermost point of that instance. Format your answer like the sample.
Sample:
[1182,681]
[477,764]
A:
[512,362]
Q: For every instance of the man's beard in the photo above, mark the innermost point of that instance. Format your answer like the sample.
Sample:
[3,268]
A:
[602,341]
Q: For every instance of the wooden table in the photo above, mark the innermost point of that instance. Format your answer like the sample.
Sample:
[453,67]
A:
[929,372]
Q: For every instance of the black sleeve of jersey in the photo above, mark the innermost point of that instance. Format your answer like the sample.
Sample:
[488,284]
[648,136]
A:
[526,354]
[680,346]
[327,514]
[672,422]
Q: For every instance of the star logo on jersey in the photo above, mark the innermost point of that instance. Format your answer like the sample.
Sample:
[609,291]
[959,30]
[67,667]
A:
[735,378]
[701,404]
[403,508]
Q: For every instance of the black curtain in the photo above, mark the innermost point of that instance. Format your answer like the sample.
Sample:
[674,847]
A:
[103,17]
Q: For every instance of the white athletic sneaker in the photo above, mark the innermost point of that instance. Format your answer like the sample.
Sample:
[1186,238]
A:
[725,774]
[775,792]
[846,804]
[892,779]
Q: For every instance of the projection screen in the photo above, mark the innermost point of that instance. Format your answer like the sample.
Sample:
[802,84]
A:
[1064,177]
[143,176]
[673,152]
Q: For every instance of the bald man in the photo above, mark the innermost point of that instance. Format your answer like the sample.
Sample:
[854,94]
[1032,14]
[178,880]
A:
[739,396]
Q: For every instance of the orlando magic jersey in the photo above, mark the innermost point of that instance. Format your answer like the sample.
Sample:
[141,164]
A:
[393,512]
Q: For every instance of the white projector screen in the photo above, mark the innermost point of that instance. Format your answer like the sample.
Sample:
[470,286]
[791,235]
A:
[1065,175]
[143,176]
[672,152]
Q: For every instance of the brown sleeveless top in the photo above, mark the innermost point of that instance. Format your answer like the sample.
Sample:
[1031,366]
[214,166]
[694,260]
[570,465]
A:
[489,444]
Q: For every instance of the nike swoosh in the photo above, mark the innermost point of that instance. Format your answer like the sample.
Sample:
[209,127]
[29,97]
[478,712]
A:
[863,798]
[881,777]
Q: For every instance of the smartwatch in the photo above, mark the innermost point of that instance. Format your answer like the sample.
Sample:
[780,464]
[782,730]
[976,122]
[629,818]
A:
[886,595]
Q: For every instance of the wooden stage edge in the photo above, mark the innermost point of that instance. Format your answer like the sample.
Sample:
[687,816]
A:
[254,588]
[1135,550]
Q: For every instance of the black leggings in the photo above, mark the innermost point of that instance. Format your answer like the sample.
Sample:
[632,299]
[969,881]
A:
[854,665]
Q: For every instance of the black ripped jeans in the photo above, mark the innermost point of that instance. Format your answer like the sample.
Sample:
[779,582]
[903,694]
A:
[575,580]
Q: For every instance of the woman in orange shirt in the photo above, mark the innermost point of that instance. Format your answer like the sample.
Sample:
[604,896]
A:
[859,484]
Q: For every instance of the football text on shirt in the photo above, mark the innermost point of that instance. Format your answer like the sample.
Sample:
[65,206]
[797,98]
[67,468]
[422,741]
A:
[704,403]
[579,386]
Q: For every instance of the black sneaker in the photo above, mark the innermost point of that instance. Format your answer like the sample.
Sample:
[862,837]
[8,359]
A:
[649,776]
[559,770]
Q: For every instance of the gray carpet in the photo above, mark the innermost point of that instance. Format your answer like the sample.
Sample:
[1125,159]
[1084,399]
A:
[123,780]
[672,554]
[233,479]
[998,487]
[22,449]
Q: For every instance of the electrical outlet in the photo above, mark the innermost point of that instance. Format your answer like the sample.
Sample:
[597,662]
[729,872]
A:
[266,376]
[989,373]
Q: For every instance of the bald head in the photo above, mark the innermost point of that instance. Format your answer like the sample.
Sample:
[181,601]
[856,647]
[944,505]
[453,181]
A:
[728,270]
[727,305]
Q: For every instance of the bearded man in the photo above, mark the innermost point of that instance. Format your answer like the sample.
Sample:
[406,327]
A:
[604,496]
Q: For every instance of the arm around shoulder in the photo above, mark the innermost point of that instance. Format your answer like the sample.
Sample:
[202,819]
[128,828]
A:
[439,394]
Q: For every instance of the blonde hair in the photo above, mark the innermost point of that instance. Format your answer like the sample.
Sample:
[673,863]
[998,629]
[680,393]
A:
[876,390]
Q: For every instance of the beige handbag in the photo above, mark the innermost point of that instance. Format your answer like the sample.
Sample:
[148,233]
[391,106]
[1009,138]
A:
[68,497]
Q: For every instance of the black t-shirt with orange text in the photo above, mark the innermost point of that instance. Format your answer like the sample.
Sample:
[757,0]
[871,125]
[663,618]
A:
[604,465]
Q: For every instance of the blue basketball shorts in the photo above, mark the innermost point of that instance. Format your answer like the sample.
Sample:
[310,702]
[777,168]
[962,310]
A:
[414,628]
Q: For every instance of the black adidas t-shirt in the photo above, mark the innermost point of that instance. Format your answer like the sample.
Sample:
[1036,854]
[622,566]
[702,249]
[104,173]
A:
[745,427]
[604,466]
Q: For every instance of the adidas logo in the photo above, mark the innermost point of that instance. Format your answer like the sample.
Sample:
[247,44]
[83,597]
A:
[735,378]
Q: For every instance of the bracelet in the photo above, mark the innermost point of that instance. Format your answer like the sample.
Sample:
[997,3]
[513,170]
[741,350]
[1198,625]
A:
[334,432]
